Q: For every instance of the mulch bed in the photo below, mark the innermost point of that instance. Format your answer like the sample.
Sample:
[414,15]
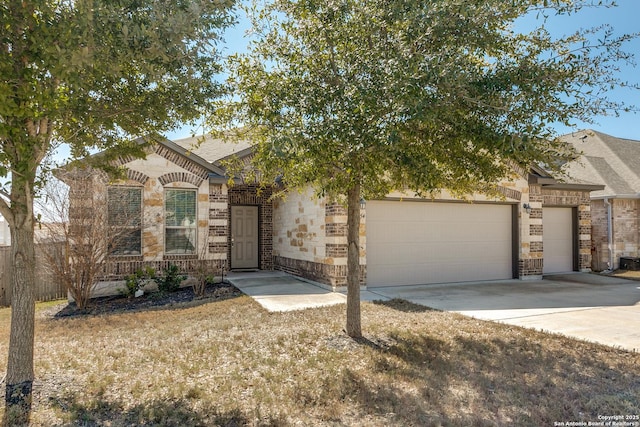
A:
[118,304]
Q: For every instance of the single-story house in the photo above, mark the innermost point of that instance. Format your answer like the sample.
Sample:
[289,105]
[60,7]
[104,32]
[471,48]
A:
[188,210]
[614,163]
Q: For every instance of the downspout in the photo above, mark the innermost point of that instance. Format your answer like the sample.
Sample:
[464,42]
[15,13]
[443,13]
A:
[609,232]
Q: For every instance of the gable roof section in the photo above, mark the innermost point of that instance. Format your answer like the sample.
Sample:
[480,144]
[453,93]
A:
[214,149]
[199,155]
[191,155]
[538,175]
[607,160]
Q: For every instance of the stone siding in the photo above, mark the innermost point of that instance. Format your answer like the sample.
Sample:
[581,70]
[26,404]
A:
[307,236]
[164,173]
[310,239]
[162,169]
[300,230]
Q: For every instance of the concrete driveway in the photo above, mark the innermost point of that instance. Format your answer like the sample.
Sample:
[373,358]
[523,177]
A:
[586,306]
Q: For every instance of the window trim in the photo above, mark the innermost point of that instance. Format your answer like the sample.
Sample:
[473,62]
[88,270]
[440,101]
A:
[192,228]
[131,227]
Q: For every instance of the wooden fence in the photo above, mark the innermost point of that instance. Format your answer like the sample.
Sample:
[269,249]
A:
[46,287]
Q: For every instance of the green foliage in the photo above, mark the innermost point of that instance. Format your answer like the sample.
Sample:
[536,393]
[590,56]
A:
[361,97]
[92,74]
[137,281]
[415,95]
[97,74]
[170,281]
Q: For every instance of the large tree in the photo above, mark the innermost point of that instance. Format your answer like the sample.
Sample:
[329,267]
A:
[357,98]
[91,74]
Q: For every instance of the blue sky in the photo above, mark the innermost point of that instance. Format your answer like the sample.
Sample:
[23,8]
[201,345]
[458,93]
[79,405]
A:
[624,18]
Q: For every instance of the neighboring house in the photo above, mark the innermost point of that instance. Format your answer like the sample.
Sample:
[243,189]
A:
[614,163]
[188,211]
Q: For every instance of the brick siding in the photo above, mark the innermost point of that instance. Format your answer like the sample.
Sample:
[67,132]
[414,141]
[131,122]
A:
[626,238]
[334,276]
[254,195]
[180,177]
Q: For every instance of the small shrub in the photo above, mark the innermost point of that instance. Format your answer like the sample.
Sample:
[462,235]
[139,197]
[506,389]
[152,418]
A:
[171,280]
[204,275]
[137,281]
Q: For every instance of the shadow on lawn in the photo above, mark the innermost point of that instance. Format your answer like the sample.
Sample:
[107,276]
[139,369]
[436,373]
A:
[404,305]
[510,381]
[174,412]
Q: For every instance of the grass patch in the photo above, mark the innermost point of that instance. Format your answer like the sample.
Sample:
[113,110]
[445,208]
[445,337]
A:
[627,274]
[232,363]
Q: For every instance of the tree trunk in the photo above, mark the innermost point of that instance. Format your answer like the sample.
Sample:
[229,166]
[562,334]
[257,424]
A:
[20,372]
[354,328]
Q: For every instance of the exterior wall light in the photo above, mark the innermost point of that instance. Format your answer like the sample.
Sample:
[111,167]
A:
[527,208]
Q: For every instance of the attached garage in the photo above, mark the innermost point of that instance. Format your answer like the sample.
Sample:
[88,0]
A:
[558,238]
[421,242]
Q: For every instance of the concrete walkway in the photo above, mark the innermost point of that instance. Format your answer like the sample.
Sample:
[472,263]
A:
[586,306]
[277,291]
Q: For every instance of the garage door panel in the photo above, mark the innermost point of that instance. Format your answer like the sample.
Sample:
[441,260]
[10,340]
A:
[431,242]
[558,240]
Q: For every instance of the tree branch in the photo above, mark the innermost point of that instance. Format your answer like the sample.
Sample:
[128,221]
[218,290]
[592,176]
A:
[5,209]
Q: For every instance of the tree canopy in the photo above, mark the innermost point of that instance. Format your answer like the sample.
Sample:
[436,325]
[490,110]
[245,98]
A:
[91,74]
[358,98]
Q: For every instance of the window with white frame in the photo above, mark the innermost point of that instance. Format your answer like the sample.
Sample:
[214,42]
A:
[180,221]
[124,208]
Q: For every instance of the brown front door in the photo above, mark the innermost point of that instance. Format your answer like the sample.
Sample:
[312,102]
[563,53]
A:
[244,237]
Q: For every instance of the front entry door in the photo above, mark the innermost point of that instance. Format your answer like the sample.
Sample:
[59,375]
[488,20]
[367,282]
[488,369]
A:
[244,237]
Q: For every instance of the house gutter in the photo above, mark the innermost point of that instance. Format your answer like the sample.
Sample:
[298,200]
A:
[617,196]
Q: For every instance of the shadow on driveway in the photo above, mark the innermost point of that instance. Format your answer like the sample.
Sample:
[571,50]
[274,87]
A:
[587,306]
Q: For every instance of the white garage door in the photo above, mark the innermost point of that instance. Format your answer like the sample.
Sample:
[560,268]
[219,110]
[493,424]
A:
[557,240]
[429,242]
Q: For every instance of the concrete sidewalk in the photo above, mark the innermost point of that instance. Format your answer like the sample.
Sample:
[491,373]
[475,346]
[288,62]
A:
[278,291]
[586,306]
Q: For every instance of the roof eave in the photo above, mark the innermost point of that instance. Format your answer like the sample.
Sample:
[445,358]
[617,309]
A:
[617,196]
[215,178]
[574,187]
[191,156]
[240,155]
[541,180]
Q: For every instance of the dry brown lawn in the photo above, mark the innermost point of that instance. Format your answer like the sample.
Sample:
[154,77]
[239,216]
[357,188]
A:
[627,274]
[232,363]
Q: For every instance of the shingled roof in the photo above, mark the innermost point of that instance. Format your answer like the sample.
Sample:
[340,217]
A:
[607,160]
[211,149]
